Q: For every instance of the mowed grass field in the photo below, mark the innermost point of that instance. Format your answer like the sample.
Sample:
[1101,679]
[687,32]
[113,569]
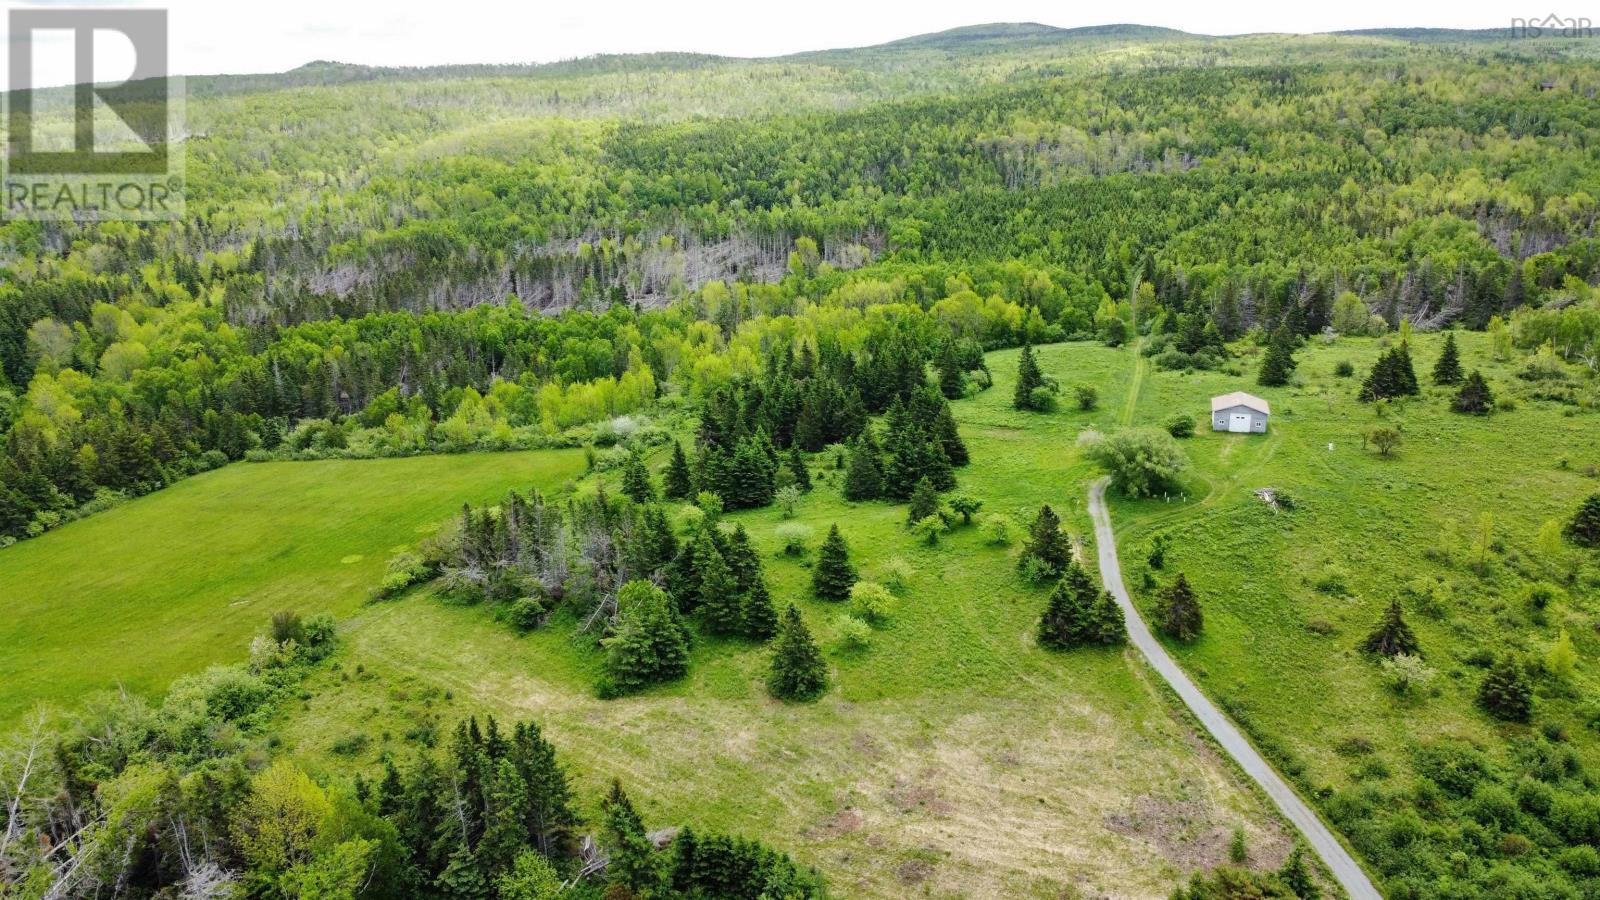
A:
[952,758]
[173,582]
[1288,598]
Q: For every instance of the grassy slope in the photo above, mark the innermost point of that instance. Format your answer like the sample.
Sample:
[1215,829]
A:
[170,583]
[953,756]
[1373,519]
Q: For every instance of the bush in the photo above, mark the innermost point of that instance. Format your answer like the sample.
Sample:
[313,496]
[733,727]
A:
[525,614]
[1087,395]
[929,528]
[1344,369]
[872,603]
[793,537]
[897,574]
[1181,426]
[788,497]
[1142,462]
[853,634]
[1042,399]
[1406,674]
[1000,529]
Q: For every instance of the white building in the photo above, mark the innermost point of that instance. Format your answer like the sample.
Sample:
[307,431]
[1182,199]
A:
[1239,412]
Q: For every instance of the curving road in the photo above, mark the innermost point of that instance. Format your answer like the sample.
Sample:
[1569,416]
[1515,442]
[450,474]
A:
[1338,860]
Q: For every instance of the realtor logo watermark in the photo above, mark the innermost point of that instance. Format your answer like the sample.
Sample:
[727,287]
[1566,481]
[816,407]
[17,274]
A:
[93,150]
[1552,26]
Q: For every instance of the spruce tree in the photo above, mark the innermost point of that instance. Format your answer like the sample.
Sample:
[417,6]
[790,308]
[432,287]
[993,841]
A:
[1047,546]
[1448,369]
[1507,692]
[833,576]
[721,600]
[1178,610]
[1474,398]
[680,483]
[758,618]
[636,480]
[1028,378]
[798,671]
[864,478]
[1106,622]
[797,467]
[1584,529]
[1067,621]
[952,379]
[551,820]
[650,643]
[924,502]
[1277,364]
[1296,875]
[949,437]
[633,862]
[1393,636]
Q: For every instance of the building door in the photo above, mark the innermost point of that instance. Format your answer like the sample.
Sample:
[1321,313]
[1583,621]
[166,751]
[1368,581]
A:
[1239,422]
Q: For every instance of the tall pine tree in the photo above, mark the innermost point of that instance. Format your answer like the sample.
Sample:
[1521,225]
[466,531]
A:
[833,575]
[1178,610]
[1028,378]
[1448,369]
[680,482]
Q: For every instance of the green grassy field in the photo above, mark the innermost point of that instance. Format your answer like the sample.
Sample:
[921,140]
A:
[170,583]
[953,758]
[1282,653]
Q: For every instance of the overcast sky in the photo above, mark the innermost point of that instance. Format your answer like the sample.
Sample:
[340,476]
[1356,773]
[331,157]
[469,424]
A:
[217,36]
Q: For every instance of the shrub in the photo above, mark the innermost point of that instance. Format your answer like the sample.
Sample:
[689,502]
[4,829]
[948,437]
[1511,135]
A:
[897,574]
[1000,529]
[793,537]
[1344,369]
[1181,426]
[872,603]
[1042,399]
[1087,395]
[1406,674]
[929,528]
[788,497]
[1142,462]
[525,614]
[1332,580]
[853,634]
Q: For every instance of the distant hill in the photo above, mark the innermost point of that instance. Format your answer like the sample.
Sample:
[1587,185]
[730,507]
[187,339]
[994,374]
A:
[1014,33]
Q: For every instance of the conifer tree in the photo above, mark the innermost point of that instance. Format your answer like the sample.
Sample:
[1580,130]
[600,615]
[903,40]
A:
[1448,368]
[1474,398]
[1277,364]
[1296,875]
[1393,636]
[550,821]
[1066,621]
[633,862]
[636,480]
[680,483]
[1106,619]
[1507,692]
[1178,610]
[952,380]
[1584,529]
[797,467]
[798,671]
[650,644]
[721,600]
[864,479]
[833,576]
[1047,546]
[949,437]
[1028,378]
[740,555]
[759,618]
[924,502]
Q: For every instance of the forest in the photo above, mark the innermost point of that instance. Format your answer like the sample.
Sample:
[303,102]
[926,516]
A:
[891,296]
